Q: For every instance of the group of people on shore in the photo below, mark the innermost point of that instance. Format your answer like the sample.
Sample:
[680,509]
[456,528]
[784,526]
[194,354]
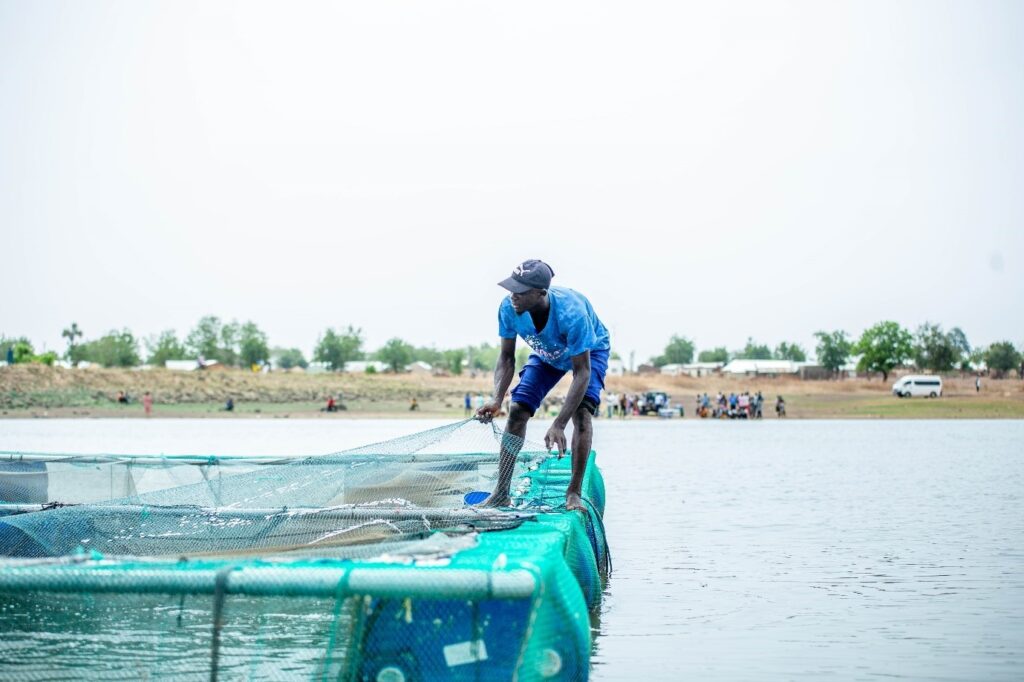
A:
[736,406]
[623,405]
[147,401]
[334,403]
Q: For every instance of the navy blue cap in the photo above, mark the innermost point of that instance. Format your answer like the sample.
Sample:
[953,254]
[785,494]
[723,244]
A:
[530,274]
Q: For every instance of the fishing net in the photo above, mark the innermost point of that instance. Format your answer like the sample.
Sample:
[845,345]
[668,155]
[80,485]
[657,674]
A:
[390,490]
[32,481]
[362,564]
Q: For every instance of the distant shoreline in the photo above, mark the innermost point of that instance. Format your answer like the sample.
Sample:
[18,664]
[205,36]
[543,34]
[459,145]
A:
[35,391]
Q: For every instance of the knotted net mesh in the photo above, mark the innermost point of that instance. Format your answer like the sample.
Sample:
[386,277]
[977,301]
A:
[366,564]
[393,490]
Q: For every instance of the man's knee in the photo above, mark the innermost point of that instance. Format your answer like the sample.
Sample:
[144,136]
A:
[582,420]
[519,414]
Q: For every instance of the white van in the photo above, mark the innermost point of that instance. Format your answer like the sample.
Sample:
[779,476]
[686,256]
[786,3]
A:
[911,386]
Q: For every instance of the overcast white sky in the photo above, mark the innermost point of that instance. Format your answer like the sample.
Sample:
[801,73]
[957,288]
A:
[718,170]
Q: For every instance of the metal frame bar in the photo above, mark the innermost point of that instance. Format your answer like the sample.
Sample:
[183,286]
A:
[272,581]
[228,460]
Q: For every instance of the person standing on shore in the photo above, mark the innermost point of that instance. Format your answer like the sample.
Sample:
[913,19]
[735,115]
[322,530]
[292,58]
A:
[147,404]
[468,402]
[977,384]
[565,334]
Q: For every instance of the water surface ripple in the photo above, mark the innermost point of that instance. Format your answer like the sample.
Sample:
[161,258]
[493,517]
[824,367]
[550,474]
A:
[848,550]
[843,550]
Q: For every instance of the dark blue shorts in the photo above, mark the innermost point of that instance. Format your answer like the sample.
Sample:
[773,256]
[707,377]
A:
[538,378]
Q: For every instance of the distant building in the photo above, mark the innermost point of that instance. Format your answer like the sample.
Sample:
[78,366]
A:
[616,367]
[692,369]
[190,365]
[850,368]
[815,371]
[754,368]
[419,367]
[362,366]
[811,370]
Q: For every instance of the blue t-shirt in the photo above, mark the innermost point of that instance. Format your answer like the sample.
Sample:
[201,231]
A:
[571,329]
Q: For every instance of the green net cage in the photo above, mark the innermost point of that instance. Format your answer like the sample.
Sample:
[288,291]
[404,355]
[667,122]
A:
[359,565]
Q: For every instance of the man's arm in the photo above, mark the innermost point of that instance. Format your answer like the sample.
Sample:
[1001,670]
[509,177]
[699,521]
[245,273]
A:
[573,400]
[504,372]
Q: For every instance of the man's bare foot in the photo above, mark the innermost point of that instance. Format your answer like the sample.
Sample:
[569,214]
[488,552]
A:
[573,502]
[496,500]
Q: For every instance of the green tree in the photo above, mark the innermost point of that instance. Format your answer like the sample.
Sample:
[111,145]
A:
[47,358]
[934,349]
[719,354]
[20,347]
[833,349]
[252,345]
[71,334]
[287,358]
[337,349]
[23,352]
[396,354]
[678,351]
[958,340]
[790,351]
[483,357]
[116,349]
[1001,357]
[212,339]
[204,340]
[431,356]
[754,351]
[230,342]
[882,347]
[165,347]
[454,359]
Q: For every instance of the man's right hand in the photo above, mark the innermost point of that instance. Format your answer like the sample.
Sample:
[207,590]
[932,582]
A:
[488,411]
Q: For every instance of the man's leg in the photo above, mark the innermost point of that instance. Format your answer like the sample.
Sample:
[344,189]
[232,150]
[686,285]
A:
[583,429]
[582,440]
[511,443]
[535,381]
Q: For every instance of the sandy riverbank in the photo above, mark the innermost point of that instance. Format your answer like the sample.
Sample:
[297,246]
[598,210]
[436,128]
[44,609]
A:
[38,391]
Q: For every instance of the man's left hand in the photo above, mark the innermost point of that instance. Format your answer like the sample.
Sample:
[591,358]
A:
[555,437]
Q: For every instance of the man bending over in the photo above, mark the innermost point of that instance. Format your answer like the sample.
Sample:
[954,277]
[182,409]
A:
[562,329]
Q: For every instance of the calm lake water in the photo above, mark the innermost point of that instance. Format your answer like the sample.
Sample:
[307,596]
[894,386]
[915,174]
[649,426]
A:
[847,550]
